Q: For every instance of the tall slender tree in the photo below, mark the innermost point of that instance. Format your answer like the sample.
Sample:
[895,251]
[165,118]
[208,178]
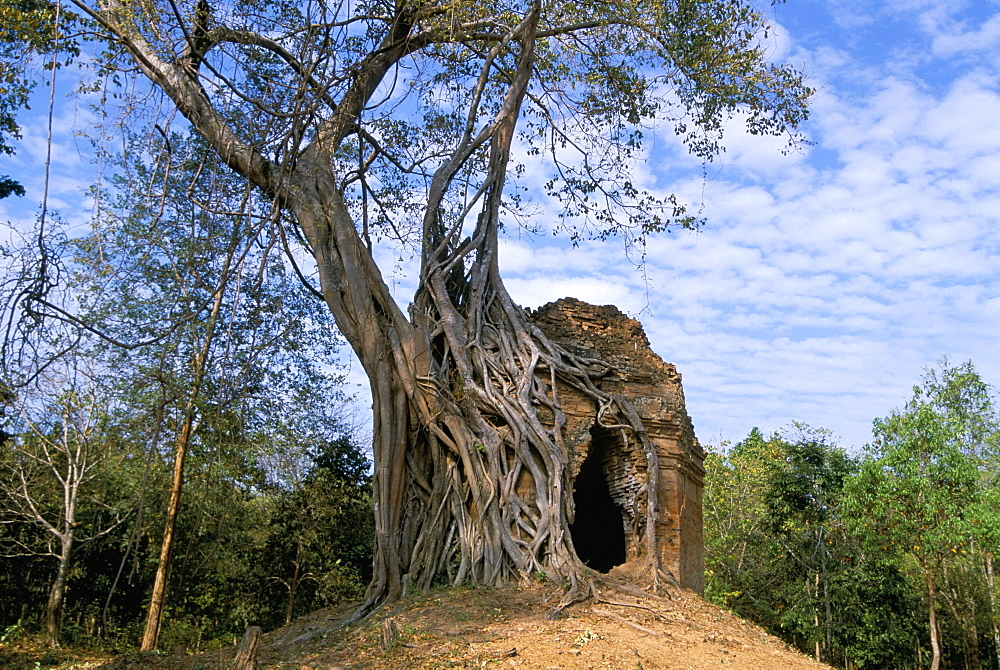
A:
[184,280]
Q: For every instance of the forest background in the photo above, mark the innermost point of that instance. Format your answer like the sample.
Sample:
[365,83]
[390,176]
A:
[826,280]
[831,551]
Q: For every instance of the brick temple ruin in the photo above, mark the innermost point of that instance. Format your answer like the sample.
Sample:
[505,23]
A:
[608,467]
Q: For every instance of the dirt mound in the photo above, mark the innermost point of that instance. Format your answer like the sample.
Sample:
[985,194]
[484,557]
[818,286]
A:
[512,628]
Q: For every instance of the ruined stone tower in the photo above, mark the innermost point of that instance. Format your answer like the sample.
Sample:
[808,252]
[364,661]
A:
[608,467]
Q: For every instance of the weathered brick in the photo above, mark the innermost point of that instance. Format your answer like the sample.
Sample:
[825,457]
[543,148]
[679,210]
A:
[604,333]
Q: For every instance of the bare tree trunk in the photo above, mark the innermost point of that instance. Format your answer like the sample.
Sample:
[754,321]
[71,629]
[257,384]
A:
[816,616]
[991,586]
[246,653]
[57,594]
[829,609]
[932,616]
[293,586]
[154,618]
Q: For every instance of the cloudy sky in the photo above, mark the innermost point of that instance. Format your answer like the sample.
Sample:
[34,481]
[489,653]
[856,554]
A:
[824,282]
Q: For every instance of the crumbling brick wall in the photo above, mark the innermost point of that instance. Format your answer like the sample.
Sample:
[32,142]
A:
[654,389]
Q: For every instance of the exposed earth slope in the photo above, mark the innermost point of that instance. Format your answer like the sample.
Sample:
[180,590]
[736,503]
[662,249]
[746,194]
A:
[512,628]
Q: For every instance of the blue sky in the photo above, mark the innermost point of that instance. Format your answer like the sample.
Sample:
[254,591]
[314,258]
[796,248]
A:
[824,281]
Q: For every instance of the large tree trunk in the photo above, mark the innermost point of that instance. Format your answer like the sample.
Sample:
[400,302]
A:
[471,480]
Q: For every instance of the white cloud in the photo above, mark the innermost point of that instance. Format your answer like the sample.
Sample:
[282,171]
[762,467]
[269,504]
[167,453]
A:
[959,37]
[824,282]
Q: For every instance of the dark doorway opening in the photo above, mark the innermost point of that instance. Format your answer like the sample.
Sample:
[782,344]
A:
[598,530]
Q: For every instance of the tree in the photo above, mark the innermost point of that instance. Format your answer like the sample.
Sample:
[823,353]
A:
[920,491]
[320,537]
[185,282]
[48,472]
[394,123]
[738,542]
[777,550]
[804,506]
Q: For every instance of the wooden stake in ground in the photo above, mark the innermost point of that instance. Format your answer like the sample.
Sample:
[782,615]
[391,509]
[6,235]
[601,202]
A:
[246,653]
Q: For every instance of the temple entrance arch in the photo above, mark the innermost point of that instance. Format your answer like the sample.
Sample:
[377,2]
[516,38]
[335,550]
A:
[598,528]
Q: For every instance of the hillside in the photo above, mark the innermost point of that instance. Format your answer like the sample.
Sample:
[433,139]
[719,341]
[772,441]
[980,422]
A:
[511,628]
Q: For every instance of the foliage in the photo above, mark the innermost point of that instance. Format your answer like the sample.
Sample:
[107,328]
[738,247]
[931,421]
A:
[236,548]
[322,532]
[838,555]
[920,493]
[880,614]
[918,489]
[778,551]
[735,512]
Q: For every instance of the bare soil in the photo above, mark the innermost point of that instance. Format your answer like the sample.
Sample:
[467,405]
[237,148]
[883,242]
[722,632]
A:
[622,629]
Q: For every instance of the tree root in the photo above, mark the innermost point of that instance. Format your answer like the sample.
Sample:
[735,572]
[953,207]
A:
[623,620]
